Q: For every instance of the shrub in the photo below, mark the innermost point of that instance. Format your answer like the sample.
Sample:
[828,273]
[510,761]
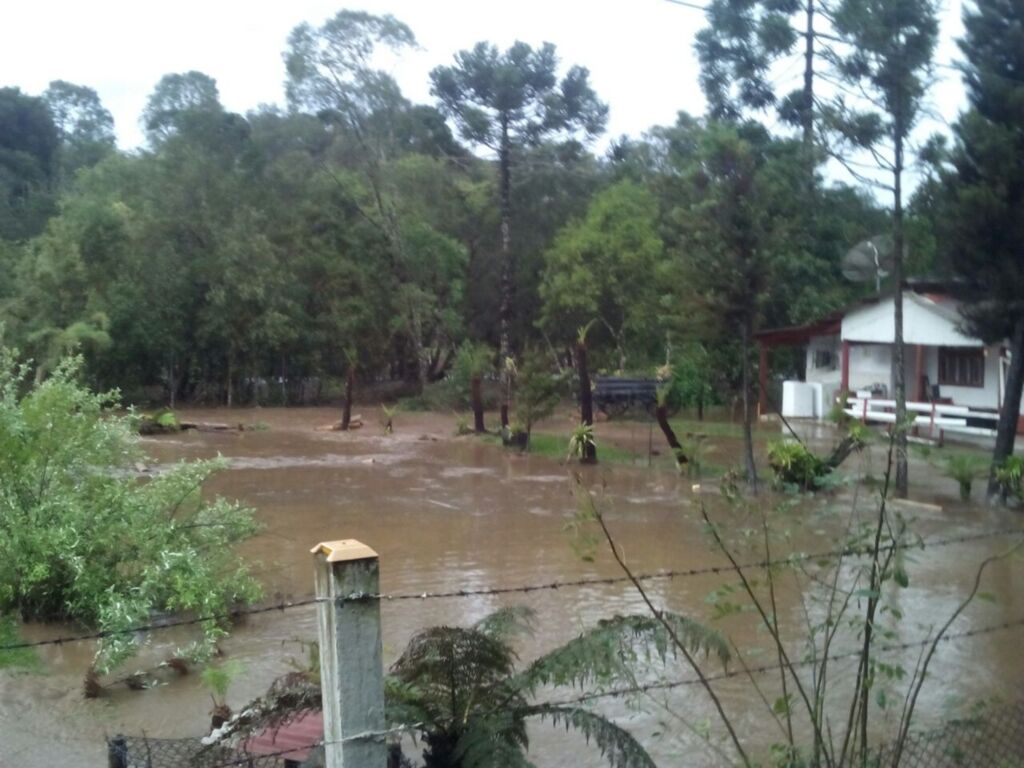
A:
[1009,475]
[82,539]
[965,468]
[793,464]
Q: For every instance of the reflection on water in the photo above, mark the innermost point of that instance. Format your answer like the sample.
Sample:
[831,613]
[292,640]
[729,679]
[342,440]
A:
[449,514]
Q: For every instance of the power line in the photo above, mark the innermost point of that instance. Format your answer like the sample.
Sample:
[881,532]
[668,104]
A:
[586,581]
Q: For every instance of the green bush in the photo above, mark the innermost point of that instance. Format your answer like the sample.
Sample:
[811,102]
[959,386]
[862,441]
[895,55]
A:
[83,540]
[965,468]
[1010,476]
[793,464]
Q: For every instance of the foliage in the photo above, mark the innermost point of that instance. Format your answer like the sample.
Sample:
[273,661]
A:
[17,658]
[581,437]
[538,390]
[607,266]
[793,464]
[965,468]
[1010,476]
[218,678]
[459,687]
[982,194]
[83,540]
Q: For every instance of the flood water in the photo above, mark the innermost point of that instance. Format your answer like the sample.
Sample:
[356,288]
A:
[449,513]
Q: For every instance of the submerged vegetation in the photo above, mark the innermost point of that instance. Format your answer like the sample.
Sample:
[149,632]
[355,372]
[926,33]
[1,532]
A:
[82,539]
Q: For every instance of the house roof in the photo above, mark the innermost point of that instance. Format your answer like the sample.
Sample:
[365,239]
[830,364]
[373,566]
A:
[930,319]
[298,736]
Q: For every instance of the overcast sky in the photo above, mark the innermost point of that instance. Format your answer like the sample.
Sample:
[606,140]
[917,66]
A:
[639,52]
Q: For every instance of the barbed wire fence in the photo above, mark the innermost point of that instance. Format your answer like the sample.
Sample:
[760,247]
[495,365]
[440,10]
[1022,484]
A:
[946,743]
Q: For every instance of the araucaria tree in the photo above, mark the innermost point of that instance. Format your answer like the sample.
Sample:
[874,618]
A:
[891,44]
[506,101]
[986,196]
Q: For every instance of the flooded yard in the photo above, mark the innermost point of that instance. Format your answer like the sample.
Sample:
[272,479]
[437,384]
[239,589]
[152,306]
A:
[448,513]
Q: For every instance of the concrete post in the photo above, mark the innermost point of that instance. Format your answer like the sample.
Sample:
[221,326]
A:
[351,668]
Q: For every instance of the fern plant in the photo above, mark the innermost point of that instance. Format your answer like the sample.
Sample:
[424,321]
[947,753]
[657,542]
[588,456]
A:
[1010,476]
[460,689]
[965,468]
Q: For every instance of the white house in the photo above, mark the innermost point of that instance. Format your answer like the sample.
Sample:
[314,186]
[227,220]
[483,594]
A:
[948,373]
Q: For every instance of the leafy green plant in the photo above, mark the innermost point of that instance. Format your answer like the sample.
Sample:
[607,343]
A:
[82,540]
[538,391]
[965,468]
[460,689]
[387,418]
[793,464]
[581,437]
[1010,476]
[218,678]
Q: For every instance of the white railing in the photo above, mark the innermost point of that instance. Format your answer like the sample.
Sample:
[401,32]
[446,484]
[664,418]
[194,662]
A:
[936,417]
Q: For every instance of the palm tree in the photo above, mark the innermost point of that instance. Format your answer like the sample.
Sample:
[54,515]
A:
[459,688]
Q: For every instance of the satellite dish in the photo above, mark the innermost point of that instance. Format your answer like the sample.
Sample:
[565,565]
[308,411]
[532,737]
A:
[870,259]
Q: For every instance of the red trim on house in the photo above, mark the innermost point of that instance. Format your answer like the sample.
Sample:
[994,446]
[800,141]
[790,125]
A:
[844,371]
[1020,425]
[800,334]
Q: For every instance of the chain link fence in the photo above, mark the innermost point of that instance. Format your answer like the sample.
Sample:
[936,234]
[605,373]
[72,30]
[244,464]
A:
[142,752]
[993,739]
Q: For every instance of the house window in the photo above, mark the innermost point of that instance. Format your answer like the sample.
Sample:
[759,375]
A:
[961,367]
[824,360]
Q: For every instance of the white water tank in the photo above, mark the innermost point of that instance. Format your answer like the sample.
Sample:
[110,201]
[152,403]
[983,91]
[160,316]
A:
[798,400]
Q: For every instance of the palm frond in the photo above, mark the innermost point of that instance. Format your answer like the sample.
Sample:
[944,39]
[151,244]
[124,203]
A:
[507,623]
[603,653]
[617,745]
[494,741]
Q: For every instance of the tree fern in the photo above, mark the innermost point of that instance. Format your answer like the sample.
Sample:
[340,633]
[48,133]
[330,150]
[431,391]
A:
[603,653]
[617,745]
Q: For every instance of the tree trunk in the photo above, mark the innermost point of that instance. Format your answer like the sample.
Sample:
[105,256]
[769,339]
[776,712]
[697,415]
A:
[172,383]
[807,96]
[748,412]
[477,398]
[898,370]
[1009,415]
[661,414]
[507,268]
[586,400]
[231,374]
[350,383]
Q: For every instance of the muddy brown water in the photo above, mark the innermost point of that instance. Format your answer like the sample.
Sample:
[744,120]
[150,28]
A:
[449,514]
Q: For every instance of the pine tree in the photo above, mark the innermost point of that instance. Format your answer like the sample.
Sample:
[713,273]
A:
[986,212]
[891,44]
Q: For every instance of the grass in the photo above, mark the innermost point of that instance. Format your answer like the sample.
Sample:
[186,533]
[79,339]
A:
[18,658]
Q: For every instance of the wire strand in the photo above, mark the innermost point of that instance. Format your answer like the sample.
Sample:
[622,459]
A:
[586,581]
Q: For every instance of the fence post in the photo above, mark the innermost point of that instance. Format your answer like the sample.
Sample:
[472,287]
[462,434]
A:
[117,752]
[351,668]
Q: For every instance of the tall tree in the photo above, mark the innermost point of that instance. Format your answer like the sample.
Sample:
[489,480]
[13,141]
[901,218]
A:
[174,97]
[891,45]
[84,125]
[986,211]
[742,43]
[29,148]
[332,73]
[505,101]
[606,268]
[735,212]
